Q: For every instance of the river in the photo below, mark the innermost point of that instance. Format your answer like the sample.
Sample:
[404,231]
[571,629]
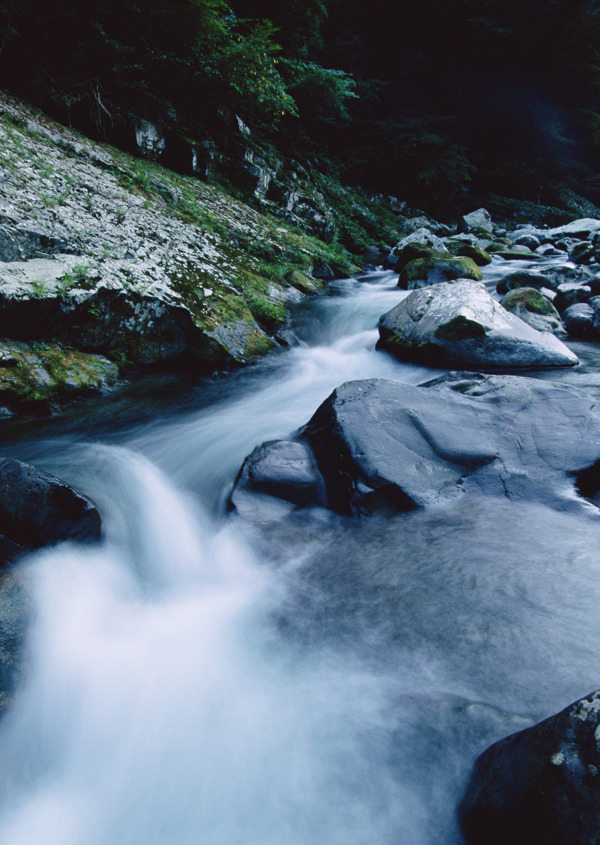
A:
[195,680]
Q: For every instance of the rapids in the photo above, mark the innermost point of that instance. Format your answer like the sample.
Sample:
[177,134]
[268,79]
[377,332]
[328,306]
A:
[197,681]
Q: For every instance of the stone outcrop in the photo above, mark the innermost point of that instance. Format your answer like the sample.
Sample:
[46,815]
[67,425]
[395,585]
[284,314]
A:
[109,254]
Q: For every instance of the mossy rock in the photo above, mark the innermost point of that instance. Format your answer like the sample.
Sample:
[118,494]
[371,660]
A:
[497,246]
[523,279]
[430,271]
[270,315]
[532,307]
[517,255]
[483,234]
[480,256]
[460,328]
[39,375]
[414,251]
[305,284]
[530,299]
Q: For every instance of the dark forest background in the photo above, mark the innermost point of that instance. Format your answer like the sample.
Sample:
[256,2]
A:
[417,99]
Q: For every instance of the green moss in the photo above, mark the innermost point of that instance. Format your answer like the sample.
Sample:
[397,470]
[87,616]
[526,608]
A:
[413,252]
[460,328]
[435,269]
[270,315]
[480,256]
[304,283]
[529,299]
[41,373]
[517,255]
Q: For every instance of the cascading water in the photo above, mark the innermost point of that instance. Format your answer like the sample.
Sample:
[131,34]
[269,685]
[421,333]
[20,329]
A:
[194,680]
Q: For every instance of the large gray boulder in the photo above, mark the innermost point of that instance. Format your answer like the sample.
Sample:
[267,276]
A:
[421,236]
[477,221]
[540,786]
[381,445]
[460,325]
[38,509]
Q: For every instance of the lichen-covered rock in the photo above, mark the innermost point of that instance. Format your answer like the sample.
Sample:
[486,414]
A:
[38,509]
[433,269]
[540,786]
[379,445]
[14,612]
[460,325]
[422,236]
[106,229]
[531,306]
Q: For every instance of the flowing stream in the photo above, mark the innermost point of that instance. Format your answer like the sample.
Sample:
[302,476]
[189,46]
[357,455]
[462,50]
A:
[194,680]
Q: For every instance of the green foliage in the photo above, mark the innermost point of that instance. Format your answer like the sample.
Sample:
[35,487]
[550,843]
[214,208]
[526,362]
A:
[322,94]
[250,64]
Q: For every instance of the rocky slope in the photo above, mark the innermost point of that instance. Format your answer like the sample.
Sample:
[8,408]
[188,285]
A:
[107,260]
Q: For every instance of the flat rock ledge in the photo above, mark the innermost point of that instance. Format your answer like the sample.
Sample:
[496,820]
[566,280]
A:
[540,786]
[460,325]
[378,445]
[37,509]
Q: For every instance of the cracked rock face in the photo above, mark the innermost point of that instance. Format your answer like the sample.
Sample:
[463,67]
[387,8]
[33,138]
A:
[381,445]
[540,786]
[460,325]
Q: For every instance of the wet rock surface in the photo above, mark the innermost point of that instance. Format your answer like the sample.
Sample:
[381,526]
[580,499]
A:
[37,509]
[539,786]
[385,446]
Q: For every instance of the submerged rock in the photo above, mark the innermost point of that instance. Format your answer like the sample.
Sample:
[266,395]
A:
[460,325]
[540,786]
[379,445]
[37,509]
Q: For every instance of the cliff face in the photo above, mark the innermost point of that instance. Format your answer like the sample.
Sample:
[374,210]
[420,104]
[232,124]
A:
[108,260]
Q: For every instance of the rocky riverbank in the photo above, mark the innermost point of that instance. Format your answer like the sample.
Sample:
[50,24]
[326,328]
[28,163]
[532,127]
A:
[109,262]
